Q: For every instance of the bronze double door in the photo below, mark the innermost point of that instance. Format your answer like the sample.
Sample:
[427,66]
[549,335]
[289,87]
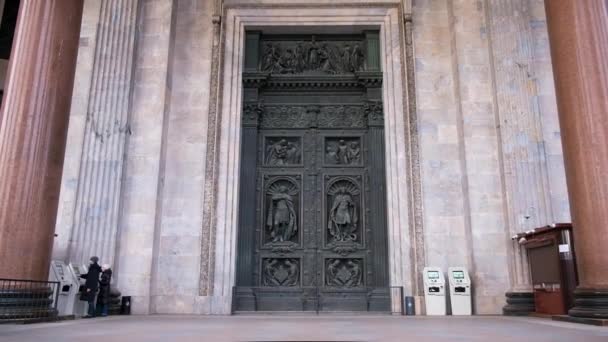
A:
[312,232]
[317,224]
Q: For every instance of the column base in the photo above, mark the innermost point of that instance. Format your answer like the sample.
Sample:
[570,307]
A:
[590,303]
[25,304]
[519,304]
[115,301]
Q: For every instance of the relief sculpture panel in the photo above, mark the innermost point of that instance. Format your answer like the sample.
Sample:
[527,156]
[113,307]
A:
[344,208]
[326,116]
[344,272]
[281,272]
[283,151]
[282,217]
[343,151]
[312,56]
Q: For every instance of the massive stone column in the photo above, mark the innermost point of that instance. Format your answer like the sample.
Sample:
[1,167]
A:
[526,117]
[33,127]
[578,33]
[97,201]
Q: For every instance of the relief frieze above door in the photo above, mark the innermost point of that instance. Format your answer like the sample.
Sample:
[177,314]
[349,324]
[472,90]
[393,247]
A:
[312,55]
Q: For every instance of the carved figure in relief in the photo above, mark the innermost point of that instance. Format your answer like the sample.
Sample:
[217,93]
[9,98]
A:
[282,153]
[269,268]
[293,271]
[286,63]
[357,58]
[347,58]
[270,58]
[355,274]
[343,153]
[325,59]
[277,153]
[281,221]
[332,271]
[300,57]
[313,55]
[331,154]
[354,152]
[292,154]
[343,217]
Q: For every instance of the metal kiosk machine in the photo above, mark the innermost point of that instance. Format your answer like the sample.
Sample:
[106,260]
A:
[460,291]
[434,291]
[68,289]
[80,307]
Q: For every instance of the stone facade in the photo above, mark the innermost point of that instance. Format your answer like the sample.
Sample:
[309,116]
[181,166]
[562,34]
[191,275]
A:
[473,143]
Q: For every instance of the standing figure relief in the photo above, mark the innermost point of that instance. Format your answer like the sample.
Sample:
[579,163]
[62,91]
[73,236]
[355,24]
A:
[282,219]
[343,216]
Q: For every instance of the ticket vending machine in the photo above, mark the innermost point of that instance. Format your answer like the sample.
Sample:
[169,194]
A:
[460,291]
[80,307]
[434,291]
[68,290]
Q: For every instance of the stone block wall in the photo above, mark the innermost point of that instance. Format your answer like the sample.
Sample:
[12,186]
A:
[489,138]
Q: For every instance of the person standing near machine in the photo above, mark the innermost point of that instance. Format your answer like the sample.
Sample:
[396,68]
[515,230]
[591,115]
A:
[103,298]
[91,285]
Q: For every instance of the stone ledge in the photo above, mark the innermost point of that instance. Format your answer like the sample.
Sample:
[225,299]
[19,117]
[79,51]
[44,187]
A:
[589,321]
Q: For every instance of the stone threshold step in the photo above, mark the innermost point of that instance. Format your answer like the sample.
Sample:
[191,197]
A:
[590,321]
[310,313]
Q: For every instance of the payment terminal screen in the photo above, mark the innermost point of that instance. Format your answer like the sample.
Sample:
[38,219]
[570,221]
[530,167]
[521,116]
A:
[458,274]
[433,274]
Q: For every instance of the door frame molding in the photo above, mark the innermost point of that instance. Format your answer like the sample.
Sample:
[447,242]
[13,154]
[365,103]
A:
[387,17]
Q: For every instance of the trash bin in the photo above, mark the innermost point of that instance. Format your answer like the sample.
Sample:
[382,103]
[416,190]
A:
[410,306]
[125,306]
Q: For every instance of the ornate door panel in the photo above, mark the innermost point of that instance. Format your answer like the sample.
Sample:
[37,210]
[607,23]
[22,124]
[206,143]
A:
[312,229]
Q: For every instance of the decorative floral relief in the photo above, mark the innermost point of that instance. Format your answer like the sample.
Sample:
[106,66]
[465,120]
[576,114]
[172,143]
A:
[332,116]
[344,272]
[281,272]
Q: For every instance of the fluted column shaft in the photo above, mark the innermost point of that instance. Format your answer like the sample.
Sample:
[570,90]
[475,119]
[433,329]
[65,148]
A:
[526,186]
[33,127]
[578,32]
[107,127]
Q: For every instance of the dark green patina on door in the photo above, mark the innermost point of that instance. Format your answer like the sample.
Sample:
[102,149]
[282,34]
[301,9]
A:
[312,213]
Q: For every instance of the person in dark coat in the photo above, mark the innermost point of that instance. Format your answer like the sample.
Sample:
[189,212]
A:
[91,285]
[103,298]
